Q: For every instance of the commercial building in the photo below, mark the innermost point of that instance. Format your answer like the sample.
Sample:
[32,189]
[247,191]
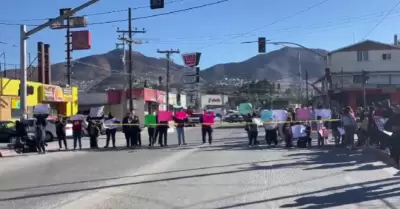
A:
[380,60]
[62,100]
[145,100]
[210,101]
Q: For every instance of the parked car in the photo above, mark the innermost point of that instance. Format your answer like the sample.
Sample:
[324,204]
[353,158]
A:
[194,119]
[7,131]
[234,118]
[50,128]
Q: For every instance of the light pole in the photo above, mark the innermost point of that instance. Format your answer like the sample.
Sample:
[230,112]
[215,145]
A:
[24,35]
[325,57]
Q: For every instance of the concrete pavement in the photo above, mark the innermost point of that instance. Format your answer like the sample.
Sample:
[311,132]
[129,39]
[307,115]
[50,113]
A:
[227,174]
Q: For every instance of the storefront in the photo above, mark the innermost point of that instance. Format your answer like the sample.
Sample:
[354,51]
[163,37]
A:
[62,100]
[213,101]
[144,101]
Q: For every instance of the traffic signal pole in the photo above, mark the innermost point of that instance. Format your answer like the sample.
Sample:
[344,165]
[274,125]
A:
[168,54]
[24,35]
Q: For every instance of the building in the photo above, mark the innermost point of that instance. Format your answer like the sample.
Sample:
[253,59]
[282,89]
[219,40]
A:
[210,101]
[62,100]
[145,100]
[380,60]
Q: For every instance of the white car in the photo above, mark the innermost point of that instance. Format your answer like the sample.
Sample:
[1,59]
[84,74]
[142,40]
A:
[50,129]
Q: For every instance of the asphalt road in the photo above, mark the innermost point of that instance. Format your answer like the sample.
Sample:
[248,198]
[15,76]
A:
[226,174]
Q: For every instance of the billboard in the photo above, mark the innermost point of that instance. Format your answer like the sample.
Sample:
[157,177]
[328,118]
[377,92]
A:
[191,59]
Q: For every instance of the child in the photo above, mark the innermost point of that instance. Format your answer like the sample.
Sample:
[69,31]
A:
[321,132]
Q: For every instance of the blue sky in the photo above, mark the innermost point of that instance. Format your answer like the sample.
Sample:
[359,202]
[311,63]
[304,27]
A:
[331,25]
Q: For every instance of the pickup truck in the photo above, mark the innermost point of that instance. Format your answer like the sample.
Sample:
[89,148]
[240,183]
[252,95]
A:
[194,119]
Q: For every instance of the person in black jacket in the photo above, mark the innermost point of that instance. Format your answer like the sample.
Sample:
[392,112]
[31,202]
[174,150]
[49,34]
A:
[252,129]
[393,125]
[162,131]
[206,129]
[127,128]
[60,131]
[135,134]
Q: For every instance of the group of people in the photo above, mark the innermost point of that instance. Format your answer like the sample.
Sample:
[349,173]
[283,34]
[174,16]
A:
[131,127]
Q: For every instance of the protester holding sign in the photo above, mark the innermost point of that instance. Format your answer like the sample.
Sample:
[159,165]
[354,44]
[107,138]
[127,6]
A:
[207,120]
[150,121]
[180,129]
[162,125]
[60,131]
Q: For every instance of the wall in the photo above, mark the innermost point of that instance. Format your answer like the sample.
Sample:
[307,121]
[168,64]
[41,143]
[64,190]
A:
[92,98]
[348,60]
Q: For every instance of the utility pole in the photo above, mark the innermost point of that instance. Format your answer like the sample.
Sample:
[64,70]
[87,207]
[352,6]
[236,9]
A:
[300,81]
[123,59]
[69,50]
[24,35]
[130,42]
[168,54]
[307,87]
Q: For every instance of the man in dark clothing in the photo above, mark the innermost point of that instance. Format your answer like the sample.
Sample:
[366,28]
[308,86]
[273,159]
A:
[162,128]
[127,128]
[252,130]
[393,125]
[206,129]
[60,131]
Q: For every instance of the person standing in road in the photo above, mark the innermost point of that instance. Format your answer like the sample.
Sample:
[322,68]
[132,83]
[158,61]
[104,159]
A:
[77,126]
[40,134]
[111,130]
[180,130]
[350,127]
[60,131]
[162,132]
[393,125]
[252,129]
[136,131]
[127,128]
[94,133]
[151,130]
[206,129]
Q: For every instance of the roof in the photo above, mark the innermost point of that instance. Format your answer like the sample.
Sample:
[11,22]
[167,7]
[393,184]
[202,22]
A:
[366,45]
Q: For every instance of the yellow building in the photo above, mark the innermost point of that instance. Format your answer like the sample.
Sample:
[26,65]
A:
[62,101]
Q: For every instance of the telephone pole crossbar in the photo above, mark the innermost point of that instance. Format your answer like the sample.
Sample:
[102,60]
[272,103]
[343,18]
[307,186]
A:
[168,54]
[129,41]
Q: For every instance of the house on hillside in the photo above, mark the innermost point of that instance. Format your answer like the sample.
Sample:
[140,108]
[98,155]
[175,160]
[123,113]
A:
[380,60]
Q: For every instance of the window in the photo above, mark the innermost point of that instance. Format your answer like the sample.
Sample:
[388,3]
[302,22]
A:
[386,56]
[362,56]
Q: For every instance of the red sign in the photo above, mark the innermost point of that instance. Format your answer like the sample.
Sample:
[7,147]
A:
[152,95]
[81,40]
[191,59]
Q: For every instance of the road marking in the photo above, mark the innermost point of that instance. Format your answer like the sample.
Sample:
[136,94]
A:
[89,199]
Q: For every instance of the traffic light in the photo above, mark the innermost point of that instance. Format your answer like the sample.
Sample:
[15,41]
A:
[261,45]
[197,75]
[328,74]
[279,86]
[145,84]
[365,76]
[156,4]
[159,80]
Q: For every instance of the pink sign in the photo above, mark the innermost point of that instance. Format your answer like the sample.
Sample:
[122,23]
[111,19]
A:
[164,115]
[208,118]
[303,114]
[181,115]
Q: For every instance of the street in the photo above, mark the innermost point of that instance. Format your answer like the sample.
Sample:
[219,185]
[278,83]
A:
[226,174]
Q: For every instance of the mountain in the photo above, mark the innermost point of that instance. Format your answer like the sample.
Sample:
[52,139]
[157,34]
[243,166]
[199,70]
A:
[102,71]
[275,65]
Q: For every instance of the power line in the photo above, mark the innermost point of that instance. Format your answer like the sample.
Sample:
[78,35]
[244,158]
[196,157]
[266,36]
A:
[270,24]
[384,17]
[162,14]
[96,14]
[137,18]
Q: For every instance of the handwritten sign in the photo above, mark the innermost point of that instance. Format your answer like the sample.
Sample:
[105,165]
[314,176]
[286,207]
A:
[150,120]
[267,115]
[164,116]
[245,108]
[181,115]
[208,118]
[303,114]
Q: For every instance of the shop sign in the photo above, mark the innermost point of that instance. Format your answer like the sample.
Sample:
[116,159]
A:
[53,93]
[214,100]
